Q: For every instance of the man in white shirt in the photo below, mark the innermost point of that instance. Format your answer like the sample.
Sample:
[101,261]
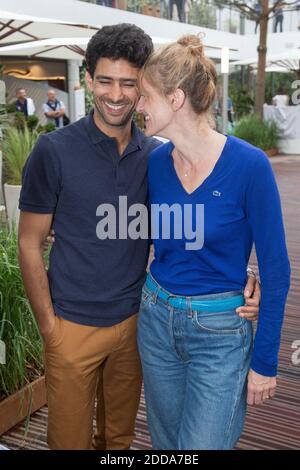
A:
[54,109]
[281,99]
[23,104]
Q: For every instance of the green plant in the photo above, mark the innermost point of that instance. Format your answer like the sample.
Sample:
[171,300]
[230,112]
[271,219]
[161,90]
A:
[4,121]
[242,100]
[203,14]
[19,120]
[17,145]
[32,122]
[262,134]
[11,108]
[89,101]
[18,328]
[50,127]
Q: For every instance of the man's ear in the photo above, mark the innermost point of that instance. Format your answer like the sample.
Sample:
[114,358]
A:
[89,80]
[177,99]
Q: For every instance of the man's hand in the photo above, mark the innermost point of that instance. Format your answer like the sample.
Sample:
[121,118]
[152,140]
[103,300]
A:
[252,300]
[260,388]
[48,329]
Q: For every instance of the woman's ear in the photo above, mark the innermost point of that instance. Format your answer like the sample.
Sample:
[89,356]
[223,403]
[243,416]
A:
[177,99]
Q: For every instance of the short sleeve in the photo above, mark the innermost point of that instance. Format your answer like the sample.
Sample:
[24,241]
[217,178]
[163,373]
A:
[45,108]
[41,180]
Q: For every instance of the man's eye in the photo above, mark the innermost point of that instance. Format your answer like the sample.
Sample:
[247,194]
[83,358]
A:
[129,84]
[103,82]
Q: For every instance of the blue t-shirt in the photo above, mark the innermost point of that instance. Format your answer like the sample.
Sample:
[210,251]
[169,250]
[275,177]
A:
[70,173]
[241,207]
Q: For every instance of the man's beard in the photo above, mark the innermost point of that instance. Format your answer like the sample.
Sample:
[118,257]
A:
[124,119]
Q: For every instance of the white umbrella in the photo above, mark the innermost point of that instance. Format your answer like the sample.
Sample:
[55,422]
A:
[53,48]
[288,60]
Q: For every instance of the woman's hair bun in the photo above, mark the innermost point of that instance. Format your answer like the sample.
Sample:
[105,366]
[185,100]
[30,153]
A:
[193,43]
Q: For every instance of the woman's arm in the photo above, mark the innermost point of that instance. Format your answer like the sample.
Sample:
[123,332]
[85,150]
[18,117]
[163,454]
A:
[266,222]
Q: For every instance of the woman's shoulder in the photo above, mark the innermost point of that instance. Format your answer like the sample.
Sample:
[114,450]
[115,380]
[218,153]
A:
[247,154]
[160,153]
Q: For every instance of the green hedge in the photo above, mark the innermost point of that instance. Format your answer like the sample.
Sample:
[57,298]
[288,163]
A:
[262,134]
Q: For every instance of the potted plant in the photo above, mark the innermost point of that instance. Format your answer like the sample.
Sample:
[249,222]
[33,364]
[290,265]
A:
[262,134]
[22,388]
[17,145]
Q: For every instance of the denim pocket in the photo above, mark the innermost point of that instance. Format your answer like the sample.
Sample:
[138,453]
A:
[227,322]
[146,295]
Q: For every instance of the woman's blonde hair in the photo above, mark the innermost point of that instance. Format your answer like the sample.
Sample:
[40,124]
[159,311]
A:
[183,65]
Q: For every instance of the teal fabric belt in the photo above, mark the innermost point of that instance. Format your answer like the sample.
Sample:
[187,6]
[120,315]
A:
[213,305]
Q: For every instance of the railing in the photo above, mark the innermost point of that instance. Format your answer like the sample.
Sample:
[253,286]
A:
[209,14]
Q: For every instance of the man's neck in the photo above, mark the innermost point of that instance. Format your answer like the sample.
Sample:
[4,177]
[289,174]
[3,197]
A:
[121,134]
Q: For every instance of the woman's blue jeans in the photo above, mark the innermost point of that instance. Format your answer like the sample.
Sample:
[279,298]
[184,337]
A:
[195,367]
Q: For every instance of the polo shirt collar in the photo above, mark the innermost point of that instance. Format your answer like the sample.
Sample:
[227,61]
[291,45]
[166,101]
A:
[97,136]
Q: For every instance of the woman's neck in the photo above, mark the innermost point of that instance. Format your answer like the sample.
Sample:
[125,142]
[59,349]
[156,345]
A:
[196,142]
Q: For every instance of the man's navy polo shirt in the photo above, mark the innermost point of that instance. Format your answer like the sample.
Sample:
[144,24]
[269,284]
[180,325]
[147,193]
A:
[69,173]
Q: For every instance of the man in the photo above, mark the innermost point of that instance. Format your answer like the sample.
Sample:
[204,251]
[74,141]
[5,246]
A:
[54,109]
[23,104]
[87,307]
[258,11]
[278,18]
[180,4]
[281,99]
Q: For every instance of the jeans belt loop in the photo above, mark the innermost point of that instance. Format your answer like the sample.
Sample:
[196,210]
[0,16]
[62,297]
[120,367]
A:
[155,295]
[189,309]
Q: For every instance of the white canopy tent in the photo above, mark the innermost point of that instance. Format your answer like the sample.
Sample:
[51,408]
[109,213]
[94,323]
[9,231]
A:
[33,30]
[22,21]
[281,62]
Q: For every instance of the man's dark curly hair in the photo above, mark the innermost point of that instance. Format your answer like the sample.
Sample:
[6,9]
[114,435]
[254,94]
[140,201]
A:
[120,41]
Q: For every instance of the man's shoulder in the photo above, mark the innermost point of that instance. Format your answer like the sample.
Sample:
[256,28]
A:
[67,134]
[148,143]
[152,143]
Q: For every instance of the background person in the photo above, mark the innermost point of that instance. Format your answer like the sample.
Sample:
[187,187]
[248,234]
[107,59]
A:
[24,104]
[54,109]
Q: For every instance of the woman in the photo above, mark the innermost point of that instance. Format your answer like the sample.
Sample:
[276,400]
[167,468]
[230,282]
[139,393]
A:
[198,362]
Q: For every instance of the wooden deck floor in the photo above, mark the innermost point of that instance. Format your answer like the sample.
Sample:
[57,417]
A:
[274,425]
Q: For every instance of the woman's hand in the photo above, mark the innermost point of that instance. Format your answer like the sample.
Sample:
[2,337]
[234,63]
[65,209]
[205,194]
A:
[49,241]
[260,388]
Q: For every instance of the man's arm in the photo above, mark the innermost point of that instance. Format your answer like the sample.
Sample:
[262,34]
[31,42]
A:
[52,114]
[61,112]
[33,229]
